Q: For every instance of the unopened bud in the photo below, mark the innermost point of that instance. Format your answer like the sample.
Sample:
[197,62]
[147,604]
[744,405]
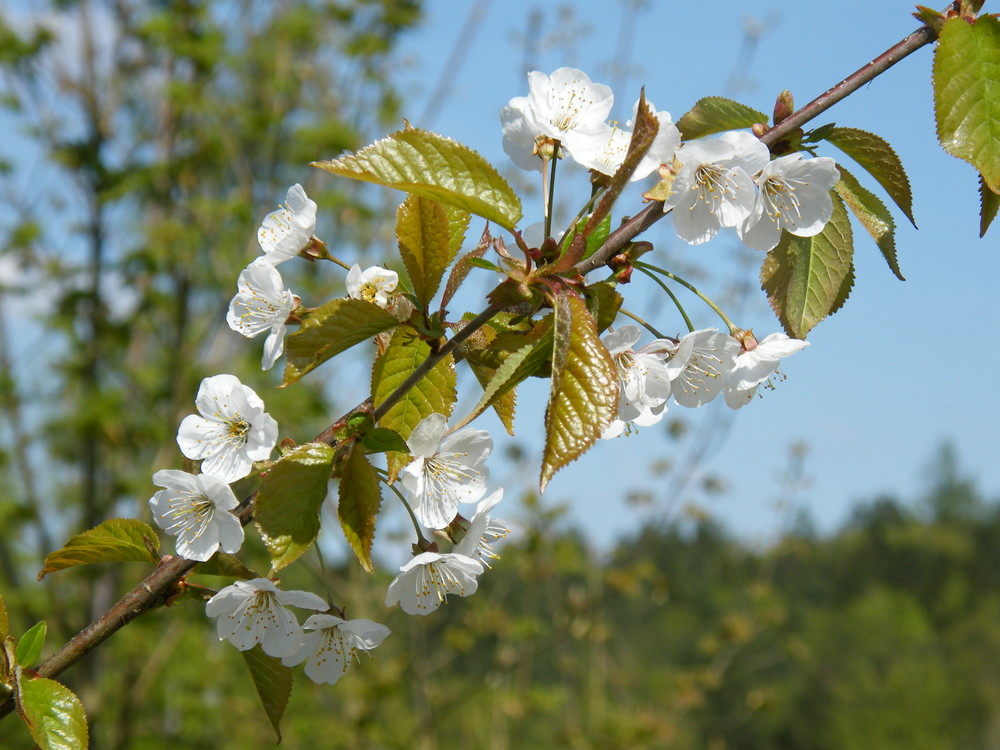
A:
[784,105]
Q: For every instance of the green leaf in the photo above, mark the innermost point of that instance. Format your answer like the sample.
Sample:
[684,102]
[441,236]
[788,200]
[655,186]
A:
[273,681]
[716,114]
[604,301]
[432,166]
[584,393]
[330,329]
[878,158]
[29,648]
[360,500]
[288,502]
[805,277]
[117,540]
[52,713]
[425,244]
[989,202]
[597,236]
[873,215]
[225,565]
[464,265]
[967,94]
[382,440]
[434,393]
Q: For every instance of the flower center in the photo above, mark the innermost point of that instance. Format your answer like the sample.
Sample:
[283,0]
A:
[190,514]
[714,185]
[780,201]
[238,427]
[437,580]
[370,290]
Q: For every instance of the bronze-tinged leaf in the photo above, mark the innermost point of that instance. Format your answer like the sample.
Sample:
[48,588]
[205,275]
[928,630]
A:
[583,398]
[433,393]
[433,166]
[967,93]
[716,114]
[330,329]
[873,215]
[225,565]
[464,265]
[425,244]
[116,540]
[273,682]
[286,511]
[806,278]
[52,713]
[989,202]
[360,500]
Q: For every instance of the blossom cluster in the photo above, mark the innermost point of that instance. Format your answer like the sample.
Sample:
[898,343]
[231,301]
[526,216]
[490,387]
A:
[729,181]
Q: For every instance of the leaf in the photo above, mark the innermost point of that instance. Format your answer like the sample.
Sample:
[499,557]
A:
[29,648]
[273,681]
[423,234]
[504,404]
[967,94]
[989,202]
[286,511]
[464,265]
[382,440]
[360,500]
[226,565]
[873,215]
[330,329]
[432,166]
[116,540]
[805,277]
[584,393]
[877,158]
[603,301]
[597,236]
[434,393]
[715,114]
[52,713]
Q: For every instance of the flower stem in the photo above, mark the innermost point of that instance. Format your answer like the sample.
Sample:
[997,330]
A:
[670,293]
[649,267]
[549,188]
[421,539]
[643,323]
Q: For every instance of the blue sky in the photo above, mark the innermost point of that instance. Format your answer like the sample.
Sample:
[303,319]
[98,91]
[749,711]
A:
[901,369]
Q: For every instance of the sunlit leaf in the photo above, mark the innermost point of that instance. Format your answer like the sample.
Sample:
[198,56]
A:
[117,540]
[967,93]
[465,264]
[360,498]
[273,682]
[30,645]
[716,114]
[382,440]
[432,166]
[873,215]
[805,277]
[288,502]
[989,202]
[423,234]
[584,392]
[52,713]
[330,329]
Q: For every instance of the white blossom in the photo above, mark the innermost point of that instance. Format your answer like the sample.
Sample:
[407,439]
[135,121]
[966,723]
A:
[643,379]
[699,364]
[262,304]
[446,471]
[374,284]
[794,195]
[425,582]
[714,186]
[252,612]
[756,364]
[231,430]
[605,149]
[483,530]
[285,232]
[329,644]
[195,508]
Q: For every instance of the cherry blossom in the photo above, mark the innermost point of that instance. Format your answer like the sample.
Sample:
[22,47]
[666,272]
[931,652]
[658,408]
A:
[425,582]
[756,364]
[252,612]
[483,530]
[643,379]
[231,430]
[195,508]
[374,284]
[262,304]
[699,364]
[285,232]
[604,150]
[448,470]
[329,644]
[794,195]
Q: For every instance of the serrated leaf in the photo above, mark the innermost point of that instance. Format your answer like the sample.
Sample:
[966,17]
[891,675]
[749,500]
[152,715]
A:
[52,713]
[430,165]
[30,645]
[877,158]
[604,301]
[583,398]
[989,202]
[382,440]
[360,500]
[225,565]
[434,393]
[505,404]
[330,329]
[286,511]
[716,114]
[466,264]
[597,236]
[273,682]
[116,540]
[804,277]
[967,94]
[425,244]
[873,215]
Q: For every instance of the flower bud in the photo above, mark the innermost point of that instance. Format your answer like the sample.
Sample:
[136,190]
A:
[784,105]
